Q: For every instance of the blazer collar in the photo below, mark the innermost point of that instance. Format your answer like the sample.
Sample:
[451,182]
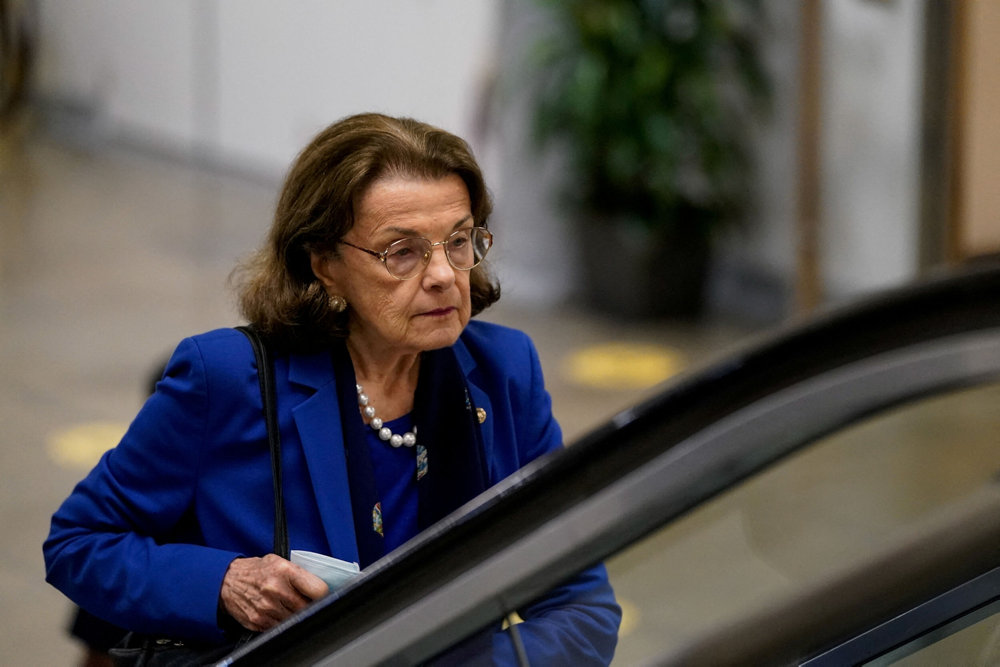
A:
[310,370]
[465,358]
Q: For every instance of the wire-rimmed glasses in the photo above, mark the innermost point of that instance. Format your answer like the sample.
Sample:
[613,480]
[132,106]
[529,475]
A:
[405,258]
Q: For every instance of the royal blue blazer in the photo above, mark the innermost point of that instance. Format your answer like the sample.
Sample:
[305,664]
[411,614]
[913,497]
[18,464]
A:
[145,540]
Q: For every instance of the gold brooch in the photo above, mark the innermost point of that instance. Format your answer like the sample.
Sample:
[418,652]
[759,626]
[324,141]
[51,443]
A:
[377,519]
[480,415]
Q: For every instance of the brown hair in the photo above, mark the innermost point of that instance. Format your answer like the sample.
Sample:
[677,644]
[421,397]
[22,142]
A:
[276,288]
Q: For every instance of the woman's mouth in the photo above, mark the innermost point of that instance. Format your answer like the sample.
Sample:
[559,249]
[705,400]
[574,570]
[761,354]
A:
[438,312]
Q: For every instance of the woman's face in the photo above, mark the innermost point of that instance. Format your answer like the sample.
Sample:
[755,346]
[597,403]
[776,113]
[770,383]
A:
[425,312]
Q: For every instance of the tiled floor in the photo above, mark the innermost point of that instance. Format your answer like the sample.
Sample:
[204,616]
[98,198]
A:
[109,257]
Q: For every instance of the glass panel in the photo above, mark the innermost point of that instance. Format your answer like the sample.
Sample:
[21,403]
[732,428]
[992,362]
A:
[976,644]
[819,512]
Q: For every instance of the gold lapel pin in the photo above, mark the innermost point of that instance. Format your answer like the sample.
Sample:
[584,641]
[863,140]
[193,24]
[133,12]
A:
[481,415]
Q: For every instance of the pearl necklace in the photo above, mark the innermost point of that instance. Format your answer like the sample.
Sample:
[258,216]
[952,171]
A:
[384,433]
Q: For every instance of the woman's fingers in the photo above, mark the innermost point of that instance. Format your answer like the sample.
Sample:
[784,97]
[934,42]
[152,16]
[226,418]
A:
[307,583]
[261,592]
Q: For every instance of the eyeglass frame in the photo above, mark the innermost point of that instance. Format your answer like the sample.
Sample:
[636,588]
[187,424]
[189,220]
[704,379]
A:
[427,256]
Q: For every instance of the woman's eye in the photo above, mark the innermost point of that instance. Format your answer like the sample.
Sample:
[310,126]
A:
[400,252]
[460,238]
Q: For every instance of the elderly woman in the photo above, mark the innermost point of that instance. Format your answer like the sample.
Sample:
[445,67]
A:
[394,409]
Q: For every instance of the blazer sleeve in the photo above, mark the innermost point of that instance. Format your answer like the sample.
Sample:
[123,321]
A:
[577,622]
[124,544]
[573,625]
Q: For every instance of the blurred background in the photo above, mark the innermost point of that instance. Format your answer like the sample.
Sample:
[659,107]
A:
[671,177]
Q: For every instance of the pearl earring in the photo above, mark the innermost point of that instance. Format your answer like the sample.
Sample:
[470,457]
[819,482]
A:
[338,304]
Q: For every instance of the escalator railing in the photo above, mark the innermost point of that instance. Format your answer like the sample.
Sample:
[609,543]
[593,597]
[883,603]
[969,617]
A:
[653,463]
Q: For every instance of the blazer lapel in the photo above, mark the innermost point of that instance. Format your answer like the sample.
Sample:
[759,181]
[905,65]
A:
[318,422]
[481,400]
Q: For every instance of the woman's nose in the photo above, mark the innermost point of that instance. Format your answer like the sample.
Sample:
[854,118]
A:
[438,271]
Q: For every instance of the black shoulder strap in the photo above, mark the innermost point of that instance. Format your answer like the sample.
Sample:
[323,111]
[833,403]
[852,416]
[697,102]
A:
[267,393]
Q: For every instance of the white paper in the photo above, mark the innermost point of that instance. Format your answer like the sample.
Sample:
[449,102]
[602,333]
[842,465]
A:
[333,571]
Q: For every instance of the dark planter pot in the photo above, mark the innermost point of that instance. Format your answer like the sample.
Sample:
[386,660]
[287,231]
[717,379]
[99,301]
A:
[633,273]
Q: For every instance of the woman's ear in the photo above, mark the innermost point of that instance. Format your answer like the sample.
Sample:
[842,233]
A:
[321,268]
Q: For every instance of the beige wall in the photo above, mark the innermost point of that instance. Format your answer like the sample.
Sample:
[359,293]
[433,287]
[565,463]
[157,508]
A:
[247,83]
[978,193]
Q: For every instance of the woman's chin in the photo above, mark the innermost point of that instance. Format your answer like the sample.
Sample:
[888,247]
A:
[443,334]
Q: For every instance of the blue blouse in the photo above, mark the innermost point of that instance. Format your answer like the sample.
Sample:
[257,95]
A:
[396,480]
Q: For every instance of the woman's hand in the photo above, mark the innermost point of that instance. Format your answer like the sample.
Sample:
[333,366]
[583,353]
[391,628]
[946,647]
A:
[261,592]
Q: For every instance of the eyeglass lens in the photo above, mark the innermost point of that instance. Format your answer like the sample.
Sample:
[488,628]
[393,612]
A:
[465,249]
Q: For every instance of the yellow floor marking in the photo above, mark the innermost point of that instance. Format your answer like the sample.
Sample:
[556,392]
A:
[80,446]
[630,617]
[623,365]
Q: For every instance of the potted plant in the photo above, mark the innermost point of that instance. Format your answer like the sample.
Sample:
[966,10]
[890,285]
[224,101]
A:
[651,101]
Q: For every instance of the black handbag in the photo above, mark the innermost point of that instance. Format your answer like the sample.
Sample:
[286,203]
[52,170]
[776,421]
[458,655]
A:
[139,650]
